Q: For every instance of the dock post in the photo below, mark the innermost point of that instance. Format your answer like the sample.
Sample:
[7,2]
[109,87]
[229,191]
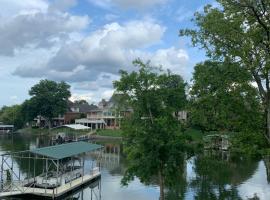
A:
[99,189]
[83,168]
[2,171]
[57,183]
[46,175]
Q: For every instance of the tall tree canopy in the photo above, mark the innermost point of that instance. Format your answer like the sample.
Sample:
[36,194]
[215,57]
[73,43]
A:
[153,140]
[238,31]
[49,99]
[223,98]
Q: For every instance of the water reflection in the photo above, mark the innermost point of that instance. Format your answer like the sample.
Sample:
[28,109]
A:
[217,175]
[207,176]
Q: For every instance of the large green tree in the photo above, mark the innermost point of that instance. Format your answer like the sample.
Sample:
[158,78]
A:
[48,99]
[223,98]
[239,31]
[154,142]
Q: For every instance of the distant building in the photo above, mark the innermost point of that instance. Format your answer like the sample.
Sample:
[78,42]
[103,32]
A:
[106,116]
[74,111]
[182,116]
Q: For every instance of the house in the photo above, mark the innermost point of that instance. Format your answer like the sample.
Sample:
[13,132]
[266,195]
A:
[106,116]
[76,110]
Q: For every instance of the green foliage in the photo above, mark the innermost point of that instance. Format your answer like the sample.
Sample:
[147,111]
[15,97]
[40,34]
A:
[249,143]
[239,32]
[222,98]
[12,115]
[110,133]
[48,99]
[154,143]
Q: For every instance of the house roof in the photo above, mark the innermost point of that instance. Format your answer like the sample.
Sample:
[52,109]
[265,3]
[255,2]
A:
[82,108]
[66,150]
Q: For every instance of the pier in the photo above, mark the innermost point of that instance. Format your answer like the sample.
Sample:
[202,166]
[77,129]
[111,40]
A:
[52,171]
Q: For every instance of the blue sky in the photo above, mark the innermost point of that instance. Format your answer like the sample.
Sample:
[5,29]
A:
[86,42]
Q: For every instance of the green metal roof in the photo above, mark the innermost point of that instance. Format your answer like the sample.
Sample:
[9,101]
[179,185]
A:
[66,150]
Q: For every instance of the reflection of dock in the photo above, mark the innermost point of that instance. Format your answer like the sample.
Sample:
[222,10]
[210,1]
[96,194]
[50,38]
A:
[110,157]
[65,170]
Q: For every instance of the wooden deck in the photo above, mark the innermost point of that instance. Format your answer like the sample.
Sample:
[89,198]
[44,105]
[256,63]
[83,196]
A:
[52,193]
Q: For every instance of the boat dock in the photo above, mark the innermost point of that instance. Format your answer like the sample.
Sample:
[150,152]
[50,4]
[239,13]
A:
[53,171]
[6,129]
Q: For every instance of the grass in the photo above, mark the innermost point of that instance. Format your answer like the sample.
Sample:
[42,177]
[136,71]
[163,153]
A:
[111,133]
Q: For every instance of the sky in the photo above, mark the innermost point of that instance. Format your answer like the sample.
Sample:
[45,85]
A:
[87,42]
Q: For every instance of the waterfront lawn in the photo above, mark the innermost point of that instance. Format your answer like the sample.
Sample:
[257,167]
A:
[109,132]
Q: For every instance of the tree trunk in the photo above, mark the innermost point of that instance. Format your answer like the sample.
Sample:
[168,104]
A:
[268,122]
[161,185]
[267,166]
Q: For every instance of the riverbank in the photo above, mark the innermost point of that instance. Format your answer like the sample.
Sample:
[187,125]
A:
[99,134]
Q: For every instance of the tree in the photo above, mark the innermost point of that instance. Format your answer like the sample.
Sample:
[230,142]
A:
[49,99]
[238,31]
[154,142]
[222,98]
[12,115]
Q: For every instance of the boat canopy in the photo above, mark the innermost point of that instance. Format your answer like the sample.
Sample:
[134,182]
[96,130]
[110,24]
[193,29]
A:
[66,150]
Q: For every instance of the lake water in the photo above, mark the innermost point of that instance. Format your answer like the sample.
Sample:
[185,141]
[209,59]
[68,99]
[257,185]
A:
[209,176]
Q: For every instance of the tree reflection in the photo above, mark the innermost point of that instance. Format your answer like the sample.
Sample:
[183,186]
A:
[217,176]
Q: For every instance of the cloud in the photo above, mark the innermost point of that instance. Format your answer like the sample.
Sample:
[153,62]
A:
[94,62]
[127,4]
[37,27]
[88,97]
[104,80]
[111,17]
[15,7]
[62,4]
[105,50]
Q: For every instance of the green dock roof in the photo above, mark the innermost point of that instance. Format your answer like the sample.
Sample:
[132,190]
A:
[66,150]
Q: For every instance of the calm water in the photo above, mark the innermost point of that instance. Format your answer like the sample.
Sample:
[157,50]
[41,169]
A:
[205,177]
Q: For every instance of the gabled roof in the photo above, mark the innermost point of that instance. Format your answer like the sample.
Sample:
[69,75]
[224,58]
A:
[66,150]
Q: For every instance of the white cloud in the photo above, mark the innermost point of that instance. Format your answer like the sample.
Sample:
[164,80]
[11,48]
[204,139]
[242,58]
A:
[35,26]
[103,80]
[127,4]
[94,62]
[15,7]
[111,17]
[88,97]
[105,50]
[107,94]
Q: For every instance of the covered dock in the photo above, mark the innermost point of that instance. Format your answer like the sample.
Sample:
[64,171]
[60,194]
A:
[217,142]
[51,171]
[6,128]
